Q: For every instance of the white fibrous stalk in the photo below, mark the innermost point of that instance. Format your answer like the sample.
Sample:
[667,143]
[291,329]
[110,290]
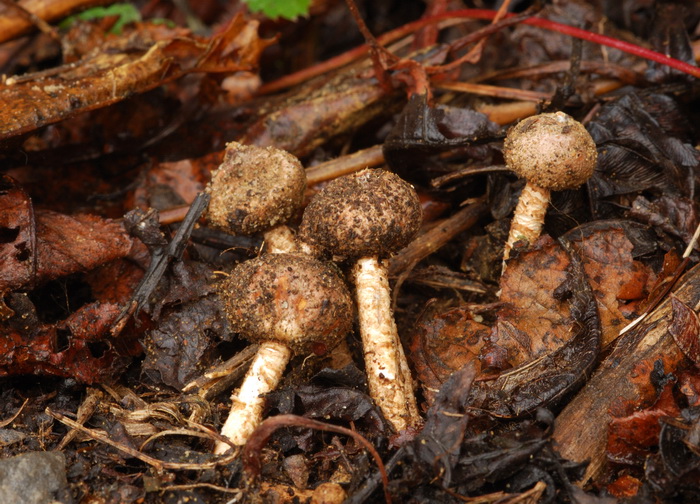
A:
[528,218]
[280,240]
[388,374]
[247,405]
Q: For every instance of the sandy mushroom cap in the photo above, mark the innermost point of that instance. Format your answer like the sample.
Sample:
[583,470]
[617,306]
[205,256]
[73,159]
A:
[552,151]
[255,189]
[294,299]
[371,212]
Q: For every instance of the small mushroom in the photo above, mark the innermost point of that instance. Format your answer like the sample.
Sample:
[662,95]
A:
[552,152]
[366,217]
[290,304]
[257,190]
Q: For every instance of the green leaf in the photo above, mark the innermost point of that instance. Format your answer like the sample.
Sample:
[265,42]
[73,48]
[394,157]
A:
[127,14]
[288,9]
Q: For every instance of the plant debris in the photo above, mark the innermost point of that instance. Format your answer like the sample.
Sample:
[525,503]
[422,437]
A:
[570,377]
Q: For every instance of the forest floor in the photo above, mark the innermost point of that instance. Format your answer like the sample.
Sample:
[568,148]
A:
[570,375]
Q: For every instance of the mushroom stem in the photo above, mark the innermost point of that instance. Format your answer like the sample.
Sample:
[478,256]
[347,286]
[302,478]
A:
[388,374]
[280,240]
[528,218]
[247,403]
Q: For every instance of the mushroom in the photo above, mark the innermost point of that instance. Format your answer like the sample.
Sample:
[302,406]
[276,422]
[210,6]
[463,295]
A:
[290,304]
[257,189]
[552,152]
[367,216]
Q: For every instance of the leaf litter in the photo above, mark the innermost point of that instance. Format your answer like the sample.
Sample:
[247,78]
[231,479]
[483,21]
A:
[143,118]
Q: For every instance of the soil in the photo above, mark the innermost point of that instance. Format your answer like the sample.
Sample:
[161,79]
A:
[569,374]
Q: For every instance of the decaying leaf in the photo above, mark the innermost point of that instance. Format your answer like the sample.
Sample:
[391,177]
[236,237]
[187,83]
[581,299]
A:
[674,471]
[534,319]
[442,342]
[18,243]
[44,245]
[547,379]
[642,144]
[632,438]
[182,344]
[73,243]
[608,250]
[77,347]
[422,131]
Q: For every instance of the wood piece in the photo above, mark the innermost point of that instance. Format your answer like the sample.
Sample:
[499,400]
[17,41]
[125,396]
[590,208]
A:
[13,23]
[432,240]
[344,165]
[620,381]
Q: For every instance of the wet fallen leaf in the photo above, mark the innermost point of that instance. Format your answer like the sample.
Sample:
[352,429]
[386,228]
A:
[632,438]
[76,347]
[444,341]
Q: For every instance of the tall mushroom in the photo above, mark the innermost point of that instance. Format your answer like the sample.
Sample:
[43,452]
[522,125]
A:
[366,217]
[290,304]
[552,152]
[257,189]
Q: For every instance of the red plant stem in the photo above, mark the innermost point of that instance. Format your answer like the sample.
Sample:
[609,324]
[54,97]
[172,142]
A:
[487,14]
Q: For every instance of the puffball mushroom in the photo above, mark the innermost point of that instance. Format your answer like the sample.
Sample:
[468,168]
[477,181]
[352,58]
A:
[290,304]
[366,217]
[552,152]
[257,189]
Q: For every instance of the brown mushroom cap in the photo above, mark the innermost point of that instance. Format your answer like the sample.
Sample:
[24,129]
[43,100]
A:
[293,299]
[552,151]
[369,213]
[255,189]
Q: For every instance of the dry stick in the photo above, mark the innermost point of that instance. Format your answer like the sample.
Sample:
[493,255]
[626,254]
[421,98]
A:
[7,422]
[494,91]
[581,428]
[220,378]
[432,240]
[158,464]
[344,165]
[85,411]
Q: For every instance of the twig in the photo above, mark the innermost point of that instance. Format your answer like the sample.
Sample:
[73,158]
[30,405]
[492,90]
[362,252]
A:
[251,451]
[208,486]
[344,165]
[85,411]
[7,422]
[158,464]
[452,17]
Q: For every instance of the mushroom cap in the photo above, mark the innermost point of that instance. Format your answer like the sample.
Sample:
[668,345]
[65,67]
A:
[290,298]
[552,151]
[369,213]
[255,189]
